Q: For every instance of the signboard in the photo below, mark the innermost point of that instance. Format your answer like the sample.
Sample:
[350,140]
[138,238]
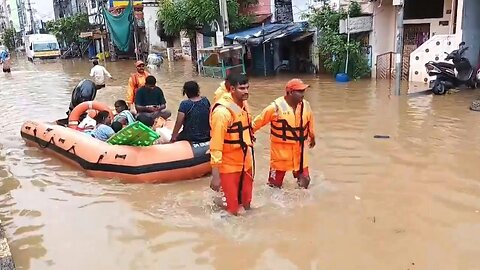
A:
[219,36]
[283,11]
[397,2]
[357,25]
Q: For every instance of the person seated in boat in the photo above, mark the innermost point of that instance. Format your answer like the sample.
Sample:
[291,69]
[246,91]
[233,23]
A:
[116,126]
[165,133]
[124,116]
[103,131]
[146,120]
[150,100]
[193,114]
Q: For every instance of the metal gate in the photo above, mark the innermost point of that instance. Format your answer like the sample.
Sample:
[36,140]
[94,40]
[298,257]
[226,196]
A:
[385,66]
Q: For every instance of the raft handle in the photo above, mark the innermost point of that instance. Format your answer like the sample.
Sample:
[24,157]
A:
[48,130]
[28,127]
[100,158]
[71,148]
[120,156]
[37,140]
[61,140]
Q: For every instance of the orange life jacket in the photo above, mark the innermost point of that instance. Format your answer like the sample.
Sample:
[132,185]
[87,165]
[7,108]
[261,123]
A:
[284,128]
[238,136]
[239,132]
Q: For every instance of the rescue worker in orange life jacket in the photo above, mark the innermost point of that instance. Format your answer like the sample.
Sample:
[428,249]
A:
[231,147]
[291,126]
[225,87]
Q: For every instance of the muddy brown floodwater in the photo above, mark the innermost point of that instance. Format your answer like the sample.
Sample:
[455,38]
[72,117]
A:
[411,201]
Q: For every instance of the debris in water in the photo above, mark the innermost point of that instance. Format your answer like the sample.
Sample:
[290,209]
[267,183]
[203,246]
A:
[381,137]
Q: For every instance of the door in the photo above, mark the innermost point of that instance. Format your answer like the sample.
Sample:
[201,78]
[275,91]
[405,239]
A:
[414,35]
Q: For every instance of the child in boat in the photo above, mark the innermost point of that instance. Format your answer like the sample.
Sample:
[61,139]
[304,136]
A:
[103,131]
[124,116]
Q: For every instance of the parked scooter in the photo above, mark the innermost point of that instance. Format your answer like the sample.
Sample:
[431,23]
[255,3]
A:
[450,76]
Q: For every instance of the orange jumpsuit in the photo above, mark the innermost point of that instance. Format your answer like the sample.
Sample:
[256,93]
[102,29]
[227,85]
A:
[136,81]
[289,131]
[230,153]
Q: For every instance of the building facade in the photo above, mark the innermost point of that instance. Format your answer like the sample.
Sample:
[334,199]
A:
[4,16]
[431,27]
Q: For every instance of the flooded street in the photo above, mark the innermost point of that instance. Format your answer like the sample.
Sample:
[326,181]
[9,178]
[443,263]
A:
[411,201]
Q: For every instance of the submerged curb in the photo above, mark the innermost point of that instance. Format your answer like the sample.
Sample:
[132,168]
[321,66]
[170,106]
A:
[6,260]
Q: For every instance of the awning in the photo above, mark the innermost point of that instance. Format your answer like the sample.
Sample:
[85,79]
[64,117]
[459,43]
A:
[258,35]
[302,36]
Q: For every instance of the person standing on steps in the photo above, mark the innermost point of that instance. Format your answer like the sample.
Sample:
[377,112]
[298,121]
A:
[231,147]
[291,126]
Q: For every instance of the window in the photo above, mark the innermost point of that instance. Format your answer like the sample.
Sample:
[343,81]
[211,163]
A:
[423,9]
[94,3]
[42,47]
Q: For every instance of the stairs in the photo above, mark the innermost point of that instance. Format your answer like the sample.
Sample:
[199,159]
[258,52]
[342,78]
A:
[432,50]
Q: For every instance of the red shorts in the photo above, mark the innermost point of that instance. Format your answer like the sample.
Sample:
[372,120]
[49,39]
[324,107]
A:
[275,177]
[237,193]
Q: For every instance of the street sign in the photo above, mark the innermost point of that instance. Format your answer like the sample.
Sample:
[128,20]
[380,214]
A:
[219,37]
[397,2]
[357,25]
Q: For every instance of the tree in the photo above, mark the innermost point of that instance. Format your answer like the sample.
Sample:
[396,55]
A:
[9,38]
[68,29]
[333,46]
[192,15]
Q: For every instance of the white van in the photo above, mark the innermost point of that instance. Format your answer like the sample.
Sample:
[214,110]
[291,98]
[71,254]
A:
[41,46]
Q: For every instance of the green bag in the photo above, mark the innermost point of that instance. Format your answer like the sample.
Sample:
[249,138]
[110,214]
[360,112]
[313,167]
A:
[135,134]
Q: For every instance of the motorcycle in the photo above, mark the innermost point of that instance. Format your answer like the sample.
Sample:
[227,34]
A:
[448,75]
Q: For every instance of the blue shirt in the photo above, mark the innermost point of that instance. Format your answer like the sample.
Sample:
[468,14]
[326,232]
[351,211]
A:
[103,132]
[3,56]
[196,125]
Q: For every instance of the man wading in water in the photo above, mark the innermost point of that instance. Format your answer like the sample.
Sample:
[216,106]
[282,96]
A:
[291,125]
[230,147]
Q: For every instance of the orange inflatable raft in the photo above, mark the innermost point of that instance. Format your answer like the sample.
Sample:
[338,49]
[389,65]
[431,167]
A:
[161,163]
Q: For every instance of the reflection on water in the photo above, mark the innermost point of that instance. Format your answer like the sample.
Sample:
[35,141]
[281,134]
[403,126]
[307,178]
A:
[407,202]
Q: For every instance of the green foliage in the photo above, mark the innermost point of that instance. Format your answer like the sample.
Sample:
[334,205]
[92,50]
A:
[8,37]
[190,15]
[68,29]
[355,9]
[333,46]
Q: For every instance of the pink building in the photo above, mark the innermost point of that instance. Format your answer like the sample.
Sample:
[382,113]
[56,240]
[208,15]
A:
[261,11]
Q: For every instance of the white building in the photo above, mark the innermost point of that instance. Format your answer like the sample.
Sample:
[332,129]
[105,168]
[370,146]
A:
[431,27]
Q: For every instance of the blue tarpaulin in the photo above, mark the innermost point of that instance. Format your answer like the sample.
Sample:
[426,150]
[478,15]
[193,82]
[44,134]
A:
[258,35]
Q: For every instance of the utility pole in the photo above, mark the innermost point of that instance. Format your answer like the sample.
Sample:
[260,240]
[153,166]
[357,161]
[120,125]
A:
[348,36]
[224,15]
[32,20]
[399,49]
[21,17]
